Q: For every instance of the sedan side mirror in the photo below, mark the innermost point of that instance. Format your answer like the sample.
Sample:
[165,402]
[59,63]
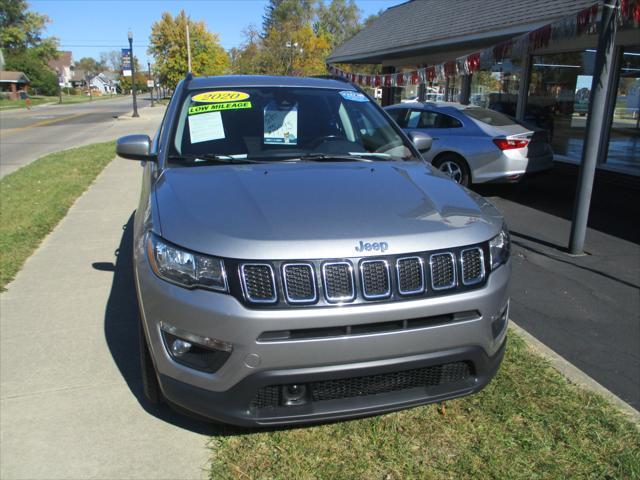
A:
[422,141]
[135,147]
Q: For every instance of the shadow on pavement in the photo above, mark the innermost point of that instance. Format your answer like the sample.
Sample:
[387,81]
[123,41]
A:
[121,332]
[613,202]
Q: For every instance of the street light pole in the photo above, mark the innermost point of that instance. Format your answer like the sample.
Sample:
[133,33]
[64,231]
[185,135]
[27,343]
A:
[133,76]
[150,78]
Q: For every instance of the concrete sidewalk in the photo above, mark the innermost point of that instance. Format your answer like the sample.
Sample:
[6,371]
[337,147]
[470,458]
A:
[70,390]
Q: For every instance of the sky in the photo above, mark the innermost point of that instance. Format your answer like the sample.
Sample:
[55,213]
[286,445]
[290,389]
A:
[88,27]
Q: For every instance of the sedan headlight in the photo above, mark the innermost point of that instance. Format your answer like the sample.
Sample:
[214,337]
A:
[500,248]
[185,268]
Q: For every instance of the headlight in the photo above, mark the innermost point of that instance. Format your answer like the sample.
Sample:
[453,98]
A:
[185,268]
[500,248]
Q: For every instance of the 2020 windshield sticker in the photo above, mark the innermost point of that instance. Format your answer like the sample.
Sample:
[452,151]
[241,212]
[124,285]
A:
[281,124]
[354,96]
[220,96]
[216,107]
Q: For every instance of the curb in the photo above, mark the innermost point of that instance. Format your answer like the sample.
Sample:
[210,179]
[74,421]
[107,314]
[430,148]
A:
[575,375]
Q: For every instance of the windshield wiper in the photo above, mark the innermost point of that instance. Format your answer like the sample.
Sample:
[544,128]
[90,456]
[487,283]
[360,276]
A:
[201,159]
[349,157]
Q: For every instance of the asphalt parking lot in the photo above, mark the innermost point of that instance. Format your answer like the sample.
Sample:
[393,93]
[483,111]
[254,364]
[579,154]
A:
[585,308]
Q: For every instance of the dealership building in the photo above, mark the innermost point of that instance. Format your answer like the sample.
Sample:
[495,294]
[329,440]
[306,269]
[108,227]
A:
[546,83]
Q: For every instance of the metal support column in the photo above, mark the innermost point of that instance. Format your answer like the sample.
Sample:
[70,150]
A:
[523,90]
[465,89]
[596,123]
[387,92]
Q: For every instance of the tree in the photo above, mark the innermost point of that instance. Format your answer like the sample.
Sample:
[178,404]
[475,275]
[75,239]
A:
[288,50]
[340,20]
[112,60]
[42,79]
[20,29]
[296,12]
[168,45]
[246,59]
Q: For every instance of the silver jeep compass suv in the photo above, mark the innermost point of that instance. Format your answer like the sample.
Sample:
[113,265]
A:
[297,261]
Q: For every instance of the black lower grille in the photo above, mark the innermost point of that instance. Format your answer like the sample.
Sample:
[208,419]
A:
[472,266]
[443,273]
[371,384]
[258,282]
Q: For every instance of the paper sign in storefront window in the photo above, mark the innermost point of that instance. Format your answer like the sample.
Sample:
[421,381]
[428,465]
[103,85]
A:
[281,124]
[206,127]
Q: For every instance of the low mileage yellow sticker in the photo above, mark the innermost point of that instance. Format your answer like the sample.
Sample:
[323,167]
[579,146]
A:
[220,96]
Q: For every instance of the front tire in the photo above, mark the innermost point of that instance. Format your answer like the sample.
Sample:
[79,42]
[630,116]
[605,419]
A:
[150,386]
[455,167]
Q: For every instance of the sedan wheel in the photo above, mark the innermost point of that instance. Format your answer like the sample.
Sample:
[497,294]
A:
[454,167]
[453,170]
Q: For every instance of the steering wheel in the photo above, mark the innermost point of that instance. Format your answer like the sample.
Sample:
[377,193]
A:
[327,138]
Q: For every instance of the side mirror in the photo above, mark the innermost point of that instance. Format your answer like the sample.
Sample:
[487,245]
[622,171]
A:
[422,141]
[135,147]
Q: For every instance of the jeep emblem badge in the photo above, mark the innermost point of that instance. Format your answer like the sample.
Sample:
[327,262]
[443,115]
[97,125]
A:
[373,246]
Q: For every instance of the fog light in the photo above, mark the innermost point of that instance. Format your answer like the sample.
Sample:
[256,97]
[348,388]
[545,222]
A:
[294,394]
[180,347]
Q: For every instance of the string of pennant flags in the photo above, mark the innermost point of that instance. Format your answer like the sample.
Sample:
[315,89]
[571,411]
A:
[582,23]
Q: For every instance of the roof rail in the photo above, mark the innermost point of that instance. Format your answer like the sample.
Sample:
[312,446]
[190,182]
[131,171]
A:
[331,77]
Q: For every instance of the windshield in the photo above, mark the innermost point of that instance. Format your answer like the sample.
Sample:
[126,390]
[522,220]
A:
[284,123]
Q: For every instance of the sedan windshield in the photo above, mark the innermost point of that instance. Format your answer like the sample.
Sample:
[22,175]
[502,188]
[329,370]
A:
[286,124]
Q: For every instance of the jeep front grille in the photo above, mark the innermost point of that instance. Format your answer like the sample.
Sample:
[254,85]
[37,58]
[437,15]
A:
[356,280]
[472,262]
[299,282]
[410,275]
[376,282]
[258,282]
[338,281]
[443,271]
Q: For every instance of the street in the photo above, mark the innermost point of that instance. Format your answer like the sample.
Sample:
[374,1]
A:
[26,135]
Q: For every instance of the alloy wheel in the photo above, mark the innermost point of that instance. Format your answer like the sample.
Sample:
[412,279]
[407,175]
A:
[453,170]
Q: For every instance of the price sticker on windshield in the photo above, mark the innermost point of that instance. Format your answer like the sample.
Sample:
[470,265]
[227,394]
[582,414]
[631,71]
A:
[220,96]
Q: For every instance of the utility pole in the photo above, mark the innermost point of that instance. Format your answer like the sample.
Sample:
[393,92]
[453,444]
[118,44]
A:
[188,48]
[150,78]
[596,123]
[133,76]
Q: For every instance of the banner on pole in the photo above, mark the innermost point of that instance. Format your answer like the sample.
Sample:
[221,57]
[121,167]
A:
[126,62]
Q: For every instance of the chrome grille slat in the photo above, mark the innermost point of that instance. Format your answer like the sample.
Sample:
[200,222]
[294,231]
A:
[337,279]
[443,270]
[375,279]
[472,262]
[299,282]
[410,272]
[258,282]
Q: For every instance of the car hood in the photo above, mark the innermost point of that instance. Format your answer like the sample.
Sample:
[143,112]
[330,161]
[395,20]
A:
[318,210]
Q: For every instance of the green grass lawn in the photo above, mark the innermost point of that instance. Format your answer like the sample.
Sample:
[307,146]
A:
[39,100]
[528,423]
[36,197]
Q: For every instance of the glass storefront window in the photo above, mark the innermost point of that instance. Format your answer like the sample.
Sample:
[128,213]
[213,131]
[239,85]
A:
[558,98]
[496,85]
[624,139]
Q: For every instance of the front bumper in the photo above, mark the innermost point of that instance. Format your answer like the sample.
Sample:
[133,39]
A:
[233,406]
[226,395]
